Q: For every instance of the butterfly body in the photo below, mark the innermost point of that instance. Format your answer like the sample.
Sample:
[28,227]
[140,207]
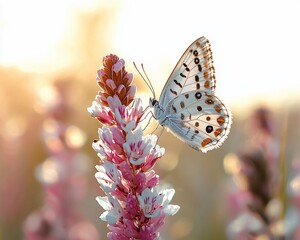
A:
[188,106]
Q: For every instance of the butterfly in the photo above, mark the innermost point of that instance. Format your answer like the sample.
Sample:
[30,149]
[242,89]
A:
[187,106]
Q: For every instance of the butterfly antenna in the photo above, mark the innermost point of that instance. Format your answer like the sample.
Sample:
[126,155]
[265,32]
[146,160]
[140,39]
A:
[152,88]
[146,80]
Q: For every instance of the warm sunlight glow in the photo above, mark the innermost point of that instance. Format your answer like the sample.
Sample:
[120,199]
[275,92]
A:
[47,98]
[274,208]
[181,228]
[169,162]
[231,164]
[295,185]
[249,67]
[241,181]
[35,36]
[75,137]
[13,127]
[48,171]
[32,31]
[278,228]
[51,135]
[28,34]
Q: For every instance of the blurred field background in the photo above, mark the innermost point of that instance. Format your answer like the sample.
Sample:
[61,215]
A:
[50,52]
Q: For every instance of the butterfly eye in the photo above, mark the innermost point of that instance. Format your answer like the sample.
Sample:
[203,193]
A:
[152,102]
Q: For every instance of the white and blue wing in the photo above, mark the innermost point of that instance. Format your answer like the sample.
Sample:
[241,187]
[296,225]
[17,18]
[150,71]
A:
[193,71]
[187,105]
[199,119]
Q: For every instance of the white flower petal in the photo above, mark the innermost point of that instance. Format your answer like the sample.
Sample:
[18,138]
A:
[118,116]
[168,195]
[96,146]
[103,216]
[94,110]
[111,217]
[126,147]
[99,168]
[114,102]
[104,203]
[150,202]
[171,209]
[106,184]
[138,161]
[129,126]
[112,207]
[107,176]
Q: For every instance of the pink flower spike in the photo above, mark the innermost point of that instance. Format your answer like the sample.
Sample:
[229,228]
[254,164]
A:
[131,208]
[100,74]
[121,89]
[138,147]
[128,118]
[101,113]
[137,109]
[114,102]
[151,179]
[117,135]
[127,173]
[155,154]
[131,92]
[134,208]
[110,83]
[107,176]
[107,137]
[112,209]
[150,202]
[129,77]
[122,119]
[117,67]
[100,151]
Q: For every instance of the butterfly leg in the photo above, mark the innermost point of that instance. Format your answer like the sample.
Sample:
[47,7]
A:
[144,117]
[161,132]
[152,115]
[148,120]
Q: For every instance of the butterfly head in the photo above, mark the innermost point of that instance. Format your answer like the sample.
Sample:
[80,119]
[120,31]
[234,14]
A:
[153,102]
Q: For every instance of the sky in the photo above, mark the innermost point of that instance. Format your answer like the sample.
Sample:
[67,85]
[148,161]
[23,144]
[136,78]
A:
[255,43]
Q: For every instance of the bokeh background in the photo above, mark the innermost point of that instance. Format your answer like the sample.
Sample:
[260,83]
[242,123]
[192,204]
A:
[50,52]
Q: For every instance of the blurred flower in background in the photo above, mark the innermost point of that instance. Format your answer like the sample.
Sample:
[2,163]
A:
[259,205]
[26,76]
[62,174]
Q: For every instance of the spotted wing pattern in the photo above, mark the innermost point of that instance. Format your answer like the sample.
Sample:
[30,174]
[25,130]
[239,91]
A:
[199,119]
[195,115]
[194,70]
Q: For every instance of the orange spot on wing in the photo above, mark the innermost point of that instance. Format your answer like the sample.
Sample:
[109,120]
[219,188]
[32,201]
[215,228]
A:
[217,132]
[205,74]
[218,108]
[207,84]
[220,120]
[205,142]
[206,64]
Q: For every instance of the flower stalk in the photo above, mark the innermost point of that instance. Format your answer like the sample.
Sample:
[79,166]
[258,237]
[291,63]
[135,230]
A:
[135,206]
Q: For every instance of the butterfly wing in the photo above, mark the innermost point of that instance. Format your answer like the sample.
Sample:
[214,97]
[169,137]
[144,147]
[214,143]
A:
[193,71]
[199,119]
